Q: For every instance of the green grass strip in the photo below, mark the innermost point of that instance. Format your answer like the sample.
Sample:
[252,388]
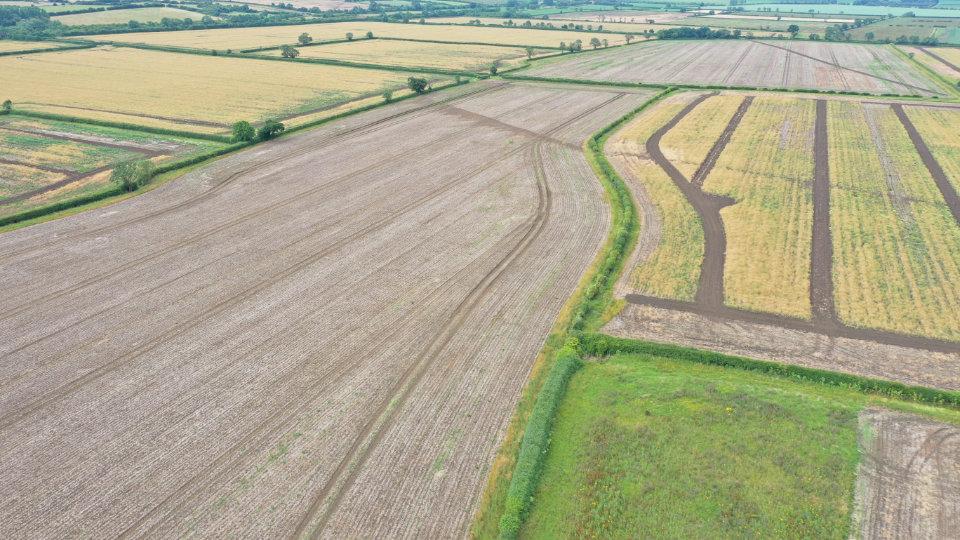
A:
[123,125]
[597,344]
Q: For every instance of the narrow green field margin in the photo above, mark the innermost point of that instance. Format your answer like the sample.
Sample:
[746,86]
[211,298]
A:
[645,446]
[516,470]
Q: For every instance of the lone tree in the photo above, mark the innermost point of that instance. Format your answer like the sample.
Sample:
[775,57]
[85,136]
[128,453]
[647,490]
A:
[369,35]
[131,175]
[563,47]
[493,69]
[605,45]
[387,95]
[304,38]
[629,37]
[530,52]
[243,131]
[576,46]
[869,36]
[793,29]
[594,42]
[417,84]
[289,52]
[349,36]
[269,130]
[7,106]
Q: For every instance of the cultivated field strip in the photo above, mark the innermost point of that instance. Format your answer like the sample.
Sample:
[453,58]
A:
[801,65]
[409,299]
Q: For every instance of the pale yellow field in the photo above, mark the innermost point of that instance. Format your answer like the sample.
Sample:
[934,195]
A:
[896,246]
[938,127]
[687,144]
[768,168]
[950,54]
[7,45]
[416,54]
[140,82]
[932,62]
[273,36]
[673,269]
[123,16]
[633,28]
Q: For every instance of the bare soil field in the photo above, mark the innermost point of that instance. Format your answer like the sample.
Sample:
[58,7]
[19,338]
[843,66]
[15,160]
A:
[304,339]
[908,480]
[801,65]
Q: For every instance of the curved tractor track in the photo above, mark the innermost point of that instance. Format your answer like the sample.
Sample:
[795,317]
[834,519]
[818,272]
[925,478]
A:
[324,336]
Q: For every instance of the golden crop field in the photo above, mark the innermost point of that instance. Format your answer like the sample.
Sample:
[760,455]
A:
[896,245]
[673,270]
[767,168]
[160,88]
[938,127]
[633,28]
[122,16]
[416,54]
[7,45]
[687,144]
[273,36]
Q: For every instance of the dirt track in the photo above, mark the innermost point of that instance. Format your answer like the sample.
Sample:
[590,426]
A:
[908,480]
[936,171]
[309,336]
[821,246]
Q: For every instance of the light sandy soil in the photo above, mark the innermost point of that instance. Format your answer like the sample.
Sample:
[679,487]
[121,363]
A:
[908,480]
[325,335]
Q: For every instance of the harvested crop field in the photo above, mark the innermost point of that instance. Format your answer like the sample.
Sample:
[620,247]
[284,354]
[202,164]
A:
[159,88]
[800,65]
[7,46]
[306,338]
[274,36]
[46,161]
[417,54]
[123,16]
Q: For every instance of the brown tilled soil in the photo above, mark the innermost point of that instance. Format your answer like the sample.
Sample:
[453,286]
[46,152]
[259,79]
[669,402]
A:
[821,244]
[908,480]
[325,334]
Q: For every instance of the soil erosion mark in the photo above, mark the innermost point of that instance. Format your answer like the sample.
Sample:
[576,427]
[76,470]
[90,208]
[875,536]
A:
[707,206]
[946,188]
[821,247]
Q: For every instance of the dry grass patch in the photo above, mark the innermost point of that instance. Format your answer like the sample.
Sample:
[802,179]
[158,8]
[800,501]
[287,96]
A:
[768,167]
[273,36]
[7,45]
[938,127]
[687,144]
[144,84]
[896,245]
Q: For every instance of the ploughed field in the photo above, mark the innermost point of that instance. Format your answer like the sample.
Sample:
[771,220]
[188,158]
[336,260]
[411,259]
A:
[766,64]
[323,335]
[818,217]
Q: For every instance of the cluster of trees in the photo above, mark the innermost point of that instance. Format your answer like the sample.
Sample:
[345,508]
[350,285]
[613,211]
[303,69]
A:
[27,22]
[243,131]
[132,175]
[703,32]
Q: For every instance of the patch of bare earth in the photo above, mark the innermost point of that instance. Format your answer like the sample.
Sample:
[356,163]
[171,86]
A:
[324,335]
[908,480]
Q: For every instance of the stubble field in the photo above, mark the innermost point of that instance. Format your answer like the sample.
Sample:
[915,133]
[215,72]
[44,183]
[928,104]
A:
[799,65]
[304,338]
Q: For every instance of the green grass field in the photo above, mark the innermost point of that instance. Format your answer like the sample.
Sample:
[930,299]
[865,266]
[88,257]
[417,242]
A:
[645,447]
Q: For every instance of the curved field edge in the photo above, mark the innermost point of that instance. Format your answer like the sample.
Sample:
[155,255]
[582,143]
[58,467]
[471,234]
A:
[588,307]
[163,174]
[574,336]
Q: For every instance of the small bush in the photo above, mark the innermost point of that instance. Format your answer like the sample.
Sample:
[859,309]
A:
[269,130]
[243,131]
[132,175]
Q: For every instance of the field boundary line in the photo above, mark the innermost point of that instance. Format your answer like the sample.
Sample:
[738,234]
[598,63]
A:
[933,166]
[601,345]
[75,46]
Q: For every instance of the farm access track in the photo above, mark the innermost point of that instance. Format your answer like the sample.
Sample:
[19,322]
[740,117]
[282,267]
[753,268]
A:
[709,296]
[322,339]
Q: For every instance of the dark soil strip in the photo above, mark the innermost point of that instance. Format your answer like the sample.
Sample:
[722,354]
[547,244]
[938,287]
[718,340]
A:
[831,330]
[164,118]
[951,65]
[838,66]
[707,206]
[821,248]
[714,154]
[946,188]
[40,167]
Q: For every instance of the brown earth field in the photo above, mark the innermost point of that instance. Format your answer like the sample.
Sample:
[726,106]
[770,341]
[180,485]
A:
[752,63]
[322,336]
[823,341]
[908,480]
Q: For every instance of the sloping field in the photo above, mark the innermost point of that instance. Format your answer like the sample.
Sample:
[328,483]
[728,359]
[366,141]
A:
[307,338]
[122,16]
[273,36]
[159,88]
[416,54]
[800,64]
